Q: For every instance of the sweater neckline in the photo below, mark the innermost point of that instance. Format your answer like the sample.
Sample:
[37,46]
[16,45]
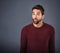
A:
[39,27]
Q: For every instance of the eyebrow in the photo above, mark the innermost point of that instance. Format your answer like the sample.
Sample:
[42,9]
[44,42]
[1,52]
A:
[33,12]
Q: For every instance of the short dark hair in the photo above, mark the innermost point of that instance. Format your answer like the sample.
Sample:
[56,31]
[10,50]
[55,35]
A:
[39,7]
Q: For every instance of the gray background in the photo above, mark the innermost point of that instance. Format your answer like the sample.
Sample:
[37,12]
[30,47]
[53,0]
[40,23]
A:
[15,14]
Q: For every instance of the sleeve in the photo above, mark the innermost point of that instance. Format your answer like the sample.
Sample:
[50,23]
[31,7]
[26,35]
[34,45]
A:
[23,42]
[52,41]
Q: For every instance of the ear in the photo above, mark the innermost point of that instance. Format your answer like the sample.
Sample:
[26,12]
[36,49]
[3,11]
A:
[43,16]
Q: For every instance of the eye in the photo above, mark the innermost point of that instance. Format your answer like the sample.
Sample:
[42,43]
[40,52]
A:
[38,13]
[33,13]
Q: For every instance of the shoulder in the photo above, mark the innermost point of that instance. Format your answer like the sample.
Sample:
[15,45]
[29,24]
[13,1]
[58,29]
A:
[49,27]
[26,27]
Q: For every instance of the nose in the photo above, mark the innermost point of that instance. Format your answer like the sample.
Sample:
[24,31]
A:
[35,16]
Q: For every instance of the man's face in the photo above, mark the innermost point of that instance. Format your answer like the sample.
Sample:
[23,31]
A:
[37,16]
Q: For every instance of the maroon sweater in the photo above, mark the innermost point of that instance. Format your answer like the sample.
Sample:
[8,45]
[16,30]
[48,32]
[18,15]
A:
[37,40]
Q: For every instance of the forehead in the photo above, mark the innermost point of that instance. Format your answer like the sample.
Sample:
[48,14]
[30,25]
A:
[36,10]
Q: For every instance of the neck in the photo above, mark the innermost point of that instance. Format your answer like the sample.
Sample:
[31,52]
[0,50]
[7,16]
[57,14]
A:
[40,24]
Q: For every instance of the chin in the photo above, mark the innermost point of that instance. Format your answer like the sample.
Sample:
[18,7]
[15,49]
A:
[35,22]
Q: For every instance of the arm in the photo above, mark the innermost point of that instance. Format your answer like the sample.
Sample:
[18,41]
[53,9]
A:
[23,41]
[52,41]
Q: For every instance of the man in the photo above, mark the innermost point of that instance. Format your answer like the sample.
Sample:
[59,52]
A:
[38,37]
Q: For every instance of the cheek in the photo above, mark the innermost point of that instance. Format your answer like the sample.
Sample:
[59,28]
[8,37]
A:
[40,17]
[33,16]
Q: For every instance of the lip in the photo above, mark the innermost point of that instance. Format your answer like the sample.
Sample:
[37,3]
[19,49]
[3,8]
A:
[35,20]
